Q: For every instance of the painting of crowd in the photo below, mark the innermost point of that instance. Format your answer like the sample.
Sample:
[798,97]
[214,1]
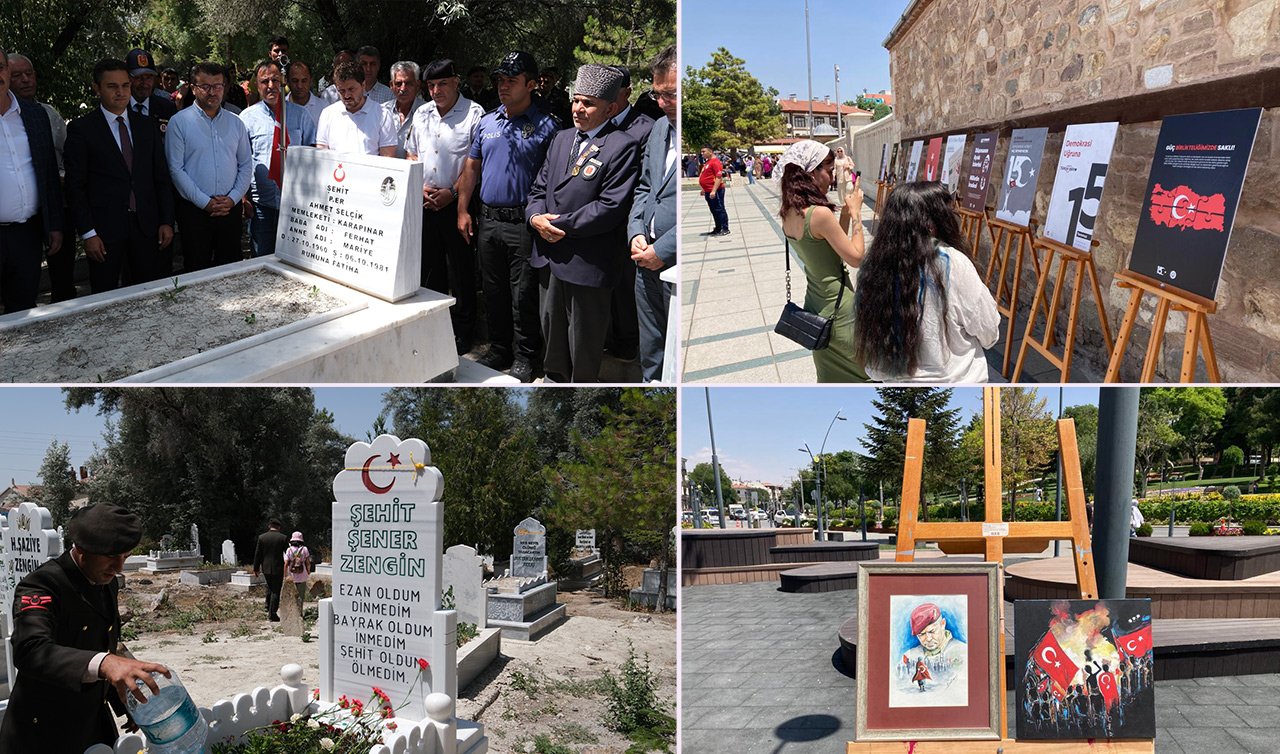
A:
[547,210]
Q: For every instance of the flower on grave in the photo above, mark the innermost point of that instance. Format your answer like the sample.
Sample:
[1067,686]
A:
[327,744]
[391,726]
[296,717]
[313,724]
[423,664]
[315,694]
[343,702]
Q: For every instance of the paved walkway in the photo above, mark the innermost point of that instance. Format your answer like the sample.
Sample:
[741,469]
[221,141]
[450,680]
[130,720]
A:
[733,288]
[760,673]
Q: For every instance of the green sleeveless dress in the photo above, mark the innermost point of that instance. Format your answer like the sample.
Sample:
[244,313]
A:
[823,270]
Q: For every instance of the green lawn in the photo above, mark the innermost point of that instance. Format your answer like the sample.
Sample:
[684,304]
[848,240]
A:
[1239,481]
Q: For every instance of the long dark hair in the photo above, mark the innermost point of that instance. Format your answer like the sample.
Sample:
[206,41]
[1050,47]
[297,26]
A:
[800,191]
[890,304]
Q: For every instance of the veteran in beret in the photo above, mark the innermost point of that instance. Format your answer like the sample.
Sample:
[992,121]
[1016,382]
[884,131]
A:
[66,622]
[942,651]
[578,210]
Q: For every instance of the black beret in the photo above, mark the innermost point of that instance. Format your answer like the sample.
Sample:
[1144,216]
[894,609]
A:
[105,529]
[438,69]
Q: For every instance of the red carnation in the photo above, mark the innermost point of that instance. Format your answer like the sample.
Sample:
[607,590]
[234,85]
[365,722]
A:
[423,664]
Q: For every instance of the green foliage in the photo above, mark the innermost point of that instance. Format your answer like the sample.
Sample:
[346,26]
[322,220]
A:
[1086,419]
[1255,528]
[1232,456]
[1211,507]
[1231,493]
[636,711]
[466,631]
[630,33]
[879,109]
[703,480]
[746,112]
[542,744]
[58,485]
[886,435]
[1146,529]
[1201,529]
[890,518]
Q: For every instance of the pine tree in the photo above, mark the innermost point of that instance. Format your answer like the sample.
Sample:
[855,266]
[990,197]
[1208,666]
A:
[747,113]
[886,436]
[58,484]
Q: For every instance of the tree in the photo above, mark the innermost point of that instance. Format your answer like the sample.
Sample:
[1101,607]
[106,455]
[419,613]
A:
[703,480]
[1086,417]
[1199,411]
[1156,435]
[58,484]
[1234,456]
[622,486]
[1028,440]
[224,458]
[630,33]
[488,456]
[877,108]
[747,112]
[886,436]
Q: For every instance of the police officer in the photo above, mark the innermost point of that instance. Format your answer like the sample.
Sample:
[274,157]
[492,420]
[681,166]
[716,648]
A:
[506,154]
[66,632]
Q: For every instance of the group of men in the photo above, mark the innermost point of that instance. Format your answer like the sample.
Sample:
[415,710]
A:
[570,227]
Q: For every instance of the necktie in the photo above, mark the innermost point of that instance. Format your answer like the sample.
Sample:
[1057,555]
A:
[577,148]
[275,171]
[137,108]
[126,150]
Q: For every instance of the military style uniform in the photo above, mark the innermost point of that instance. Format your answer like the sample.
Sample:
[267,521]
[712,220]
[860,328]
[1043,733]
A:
[61,622]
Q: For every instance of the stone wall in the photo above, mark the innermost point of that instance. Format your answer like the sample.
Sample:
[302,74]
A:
[974,65]
[865,147]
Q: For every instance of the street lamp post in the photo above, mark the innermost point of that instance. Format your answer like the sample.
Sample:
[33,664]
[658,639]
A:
[839,115]
[821,518]
[808,63]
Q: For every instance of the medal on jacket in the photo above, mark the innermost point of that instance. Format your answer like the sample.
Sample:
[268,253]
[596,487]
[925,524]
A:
[526,130]
[582,158]
[590,169]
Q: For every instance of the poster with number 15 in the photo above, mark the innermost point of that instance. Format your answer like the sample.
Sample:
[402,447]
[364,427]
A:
[1077,189]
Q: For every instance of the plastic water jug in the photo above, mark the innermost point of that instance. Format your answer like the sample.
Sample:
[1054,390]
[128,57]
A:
[170,720]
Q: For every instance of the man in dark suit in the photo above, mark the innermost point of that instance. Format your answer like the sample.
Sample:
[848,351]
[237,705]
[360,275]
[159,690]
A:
[66,631]
[30,196]
[652,226]
[142,80]
[624,332]
[577,209]
[268,558]
[118,185]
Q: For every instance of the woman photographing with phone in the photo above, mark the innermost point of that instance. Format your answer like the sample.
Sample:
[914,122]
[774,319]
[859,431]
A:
[923,313]
[822,242]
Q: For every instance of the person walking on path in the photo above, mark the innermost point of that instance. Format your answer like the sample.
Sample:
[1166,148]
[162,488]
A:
[298,567]
[822,244]
[923,312]
[711,181]
[268,558]
[844,173]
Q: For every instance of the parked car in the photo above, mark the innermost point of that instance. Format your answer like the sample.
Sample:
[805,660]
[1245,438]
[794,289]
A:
[759,516]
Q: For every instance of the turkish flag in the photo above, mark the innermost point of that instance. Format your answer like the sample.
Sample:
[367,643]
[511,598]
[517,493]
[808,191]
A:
[1058,692]
[1054,661]
[1185,209]
[1107,687]
[275,168]
[1135,644]
[1041,687]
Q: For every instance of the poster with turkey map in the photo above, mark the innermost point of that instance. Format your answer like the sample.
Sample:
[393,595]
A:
[1190,205]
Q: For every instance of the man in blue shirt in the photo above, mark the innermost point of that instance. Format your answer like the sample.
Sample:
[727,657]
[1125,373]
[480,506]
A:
[211,163]
[506,155]
[260,120]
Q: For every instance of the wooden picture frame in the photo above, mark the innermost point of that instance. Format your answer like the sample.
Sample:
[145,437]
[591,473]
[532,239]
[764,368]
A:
[943,621]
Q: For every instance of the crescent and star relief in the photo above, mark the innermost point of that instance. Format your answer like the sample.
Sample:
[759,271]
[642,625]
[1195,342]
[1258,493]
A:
[368,480]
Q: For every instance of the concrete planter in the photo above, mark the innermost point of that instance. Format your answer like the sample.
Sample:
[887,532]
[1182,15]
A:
[475,655]
[207,577]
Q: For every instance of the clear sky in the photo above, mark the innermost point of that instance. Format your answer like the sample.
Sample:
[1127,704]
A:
[769,36]
[35,416]
[760,431]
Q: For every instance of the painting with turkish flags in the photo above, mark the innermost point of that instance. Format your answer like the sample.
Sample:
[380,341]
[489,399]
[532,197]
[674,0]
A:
[1085,669]
[1190,204]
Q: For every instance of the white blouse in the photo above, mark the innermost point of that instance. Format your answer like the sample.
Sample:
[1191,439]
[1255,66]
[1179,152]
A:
[954,353]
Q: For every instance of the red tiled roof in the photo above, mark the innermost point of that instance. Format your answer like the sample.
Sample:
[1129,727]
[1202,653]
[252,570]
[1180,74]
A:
[819,107]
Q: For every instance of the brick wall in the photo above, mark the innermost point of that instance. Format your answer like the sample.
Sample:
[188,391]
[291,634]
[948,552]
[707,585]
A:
[974,65]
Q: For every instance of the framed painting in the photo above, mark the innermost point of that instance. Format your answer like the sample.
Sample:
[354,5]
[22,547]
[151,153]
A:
[1084,669]
[928,651]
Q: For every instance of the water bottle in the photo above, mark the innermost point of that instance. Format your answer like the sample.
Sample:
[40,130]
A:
[170,720]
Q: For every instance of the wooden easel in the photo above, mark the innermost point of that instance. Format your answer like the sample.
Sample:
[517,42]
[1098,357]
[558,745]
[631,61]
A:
[995,537]
[971,225]
[1008,241]
[1083,262]
[1197,337]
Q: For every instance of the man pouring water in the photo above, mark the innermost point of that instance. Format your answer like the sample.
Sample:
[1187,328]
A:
[66,634]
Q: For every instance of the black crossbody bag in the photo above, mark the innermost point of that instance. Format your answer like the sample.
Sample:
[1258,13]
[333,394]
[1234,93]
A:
[801,325]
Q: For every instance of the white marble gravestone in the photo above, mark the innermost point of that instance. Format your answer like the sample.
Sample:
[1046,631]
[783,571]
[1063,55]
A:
[529,549]
[229,553]
[464,571]
[384,616]
[353,218]
[585,541]
[29,540]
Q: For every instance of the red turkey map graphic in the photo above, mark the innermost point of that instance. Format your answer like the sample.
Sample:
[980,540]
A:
[1184,209]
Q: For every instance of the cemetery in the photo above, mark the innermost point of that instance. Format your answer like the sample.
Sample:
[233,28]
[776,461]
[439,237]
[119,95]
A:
[328,306]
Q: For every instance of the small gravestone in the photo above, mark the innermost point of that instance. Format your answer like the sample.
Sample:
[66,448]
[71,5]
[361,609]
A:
[585,541]
[290,615]
[529,551]
[464,573]
[229,553]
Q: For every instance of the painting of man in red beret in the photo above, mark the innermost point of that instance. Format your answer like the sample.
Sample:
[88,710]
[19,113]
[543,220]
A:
[930,655]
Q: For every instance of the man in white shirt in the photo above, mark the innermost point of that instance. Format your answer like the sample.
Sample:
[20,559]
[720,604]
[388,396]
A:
[300,92]
[31,198]
[405,85]
[440,137]
[328,91]
[370,61]
[355,123]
